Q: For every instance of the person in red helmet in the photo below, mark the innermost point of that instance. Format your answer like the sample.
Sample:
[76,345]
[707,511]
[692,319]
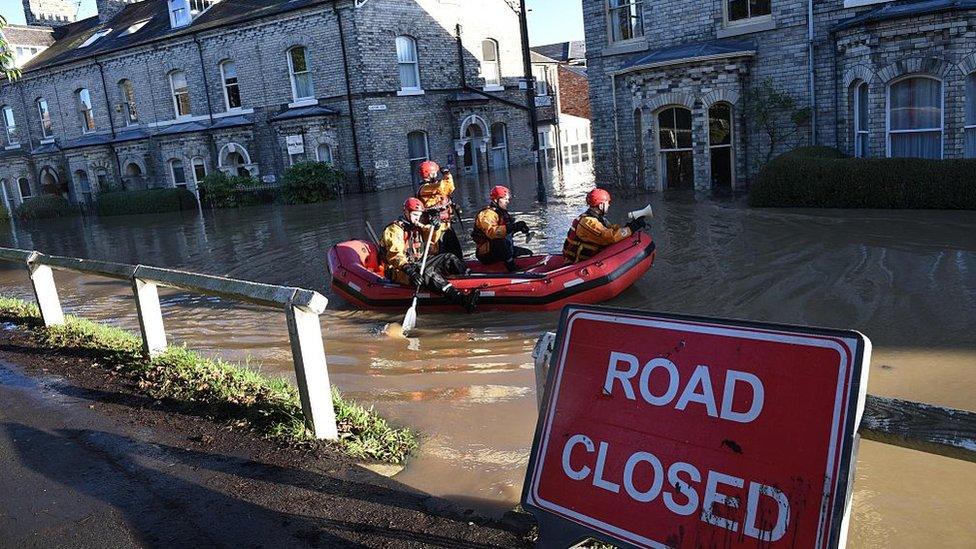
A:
[591,232]
[494,228]
[404,241]
[435,192]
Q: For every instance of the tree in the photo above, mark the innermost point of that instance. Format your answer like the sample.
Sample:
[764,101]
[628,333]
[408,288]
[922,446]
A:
[776,114]
[7,62]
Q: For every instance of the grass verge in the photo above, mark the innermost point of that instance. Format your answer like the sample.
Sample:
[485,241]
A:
[271,407]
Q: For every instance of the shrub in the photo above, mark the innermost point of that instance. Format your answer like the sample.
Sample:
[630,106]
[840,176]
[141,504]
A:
[45,206]
[4,214]
[826,179]
[149,201]
[308,182]
[222,191]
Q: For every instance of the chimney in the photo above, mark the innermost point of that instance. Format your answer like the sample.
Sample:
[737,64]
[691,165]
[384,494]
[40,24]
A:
[107,9]
[50,13]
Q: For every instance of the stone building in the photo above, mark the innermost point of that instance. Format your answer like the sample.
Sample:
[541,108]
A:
[669,83]
[159,93]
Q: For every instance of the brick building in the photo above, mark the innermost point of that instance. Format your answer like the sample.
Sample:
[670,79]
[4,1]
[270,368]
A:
[562,93]
[158,93]
[669,83]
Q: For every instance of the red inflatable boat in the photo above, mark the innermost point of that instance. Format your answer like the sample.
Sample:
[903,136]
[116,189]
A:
[548,283]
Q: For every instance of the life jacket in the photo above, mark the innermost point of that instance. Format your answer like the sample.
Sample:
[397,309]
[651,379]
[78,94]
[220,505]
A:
[437,195]
[575,249]
[504,220]
[413,240]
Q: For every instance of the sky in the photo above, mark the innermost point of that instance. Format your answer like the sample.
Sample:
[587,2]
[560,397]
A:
[550,21]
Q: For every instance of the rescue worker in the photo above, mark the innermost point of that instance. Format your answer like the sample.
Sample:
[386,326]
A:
[591,232]
[404,241]
[494,228]
[435,192]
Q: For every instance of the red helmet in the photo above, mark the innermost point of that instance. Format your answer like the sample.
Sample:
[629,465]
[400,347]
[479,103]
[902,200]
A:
[596,197]
[500,192]
[413,205]
[429,169]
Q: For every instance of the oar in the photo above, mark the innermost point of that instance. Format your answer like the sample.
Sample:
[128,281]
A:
[410,319]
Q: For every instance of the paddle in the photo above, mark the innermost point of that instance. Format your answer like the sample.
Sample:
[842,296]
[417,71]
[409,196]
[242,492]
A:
[410,319]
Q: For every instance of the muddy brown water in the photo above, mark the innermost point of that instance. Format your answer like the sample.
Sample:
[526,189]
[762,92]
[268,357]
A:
[907,279]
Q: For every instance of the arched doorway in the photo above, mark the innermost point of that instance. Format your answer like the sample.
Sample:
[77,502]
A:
[499,146]
[49,182]
[472,144]
[235,160]
[133,176]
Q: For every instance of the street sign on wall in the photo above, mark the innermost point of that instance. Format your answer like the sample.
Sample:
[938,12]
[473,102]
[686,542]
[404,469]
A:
[673,431]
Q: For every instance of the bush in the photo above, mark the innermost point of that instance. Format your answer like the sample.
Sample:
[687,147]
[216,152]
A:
[149,201]
[45,206]
[827,179]
[4,214]
[308,182]
[222,191]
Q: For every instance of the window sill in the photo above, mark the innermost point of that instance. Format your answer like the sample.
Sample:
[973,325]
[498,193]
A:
[629,46]
[858,3]
[493,88]
[307,102]
[748,27]
[403,93]
[12,147]
[46,141]
[233,112]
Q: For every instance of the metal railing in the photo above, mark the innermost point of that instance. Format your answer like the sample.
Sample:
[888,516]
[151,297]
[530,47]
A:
[923,427]
[302,309]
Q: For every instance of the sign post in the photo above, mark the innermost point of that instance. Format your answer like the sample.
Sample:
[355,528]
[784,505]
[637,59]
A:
[672,431]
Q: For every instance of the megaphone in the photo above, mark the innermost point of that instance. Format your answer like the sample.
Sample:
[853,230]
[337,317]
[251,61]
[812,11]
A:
[647,212]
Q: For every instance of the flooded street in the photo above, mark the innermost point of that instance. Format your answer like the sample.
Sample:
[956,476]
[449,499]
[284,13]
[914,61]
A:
[906,279]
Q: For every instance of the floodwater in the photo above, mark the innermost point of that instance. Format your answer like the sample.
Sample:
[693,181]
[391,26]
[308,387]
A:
[907,279]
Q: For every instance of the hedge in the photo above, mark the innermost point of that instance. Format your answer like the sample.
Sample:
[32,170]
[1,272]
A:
[45,206]
[148,201]
[308,182]
[823,178]
[222,191]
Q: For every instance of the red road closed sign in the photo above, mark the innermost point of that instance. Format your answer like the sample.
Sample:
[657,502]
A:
[671,431]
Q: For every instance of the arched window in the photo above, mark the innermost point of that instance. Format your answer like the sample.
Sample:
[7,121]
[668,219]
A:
[44,114]
[23,185]
[324,153]
[721,149]
[178,173]
[971,116]
[181,94]
[406,48]
[499,146]
[10,125]
[232,90]
[301,77]
[490,68]
[86,115]
[639,146]
[677,158]
[418,151]
[859,116]
[915,118]
[128,94]
[199,170]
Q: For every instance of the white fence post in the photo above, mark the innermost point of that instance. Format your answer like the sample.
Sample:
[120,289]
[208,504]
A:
[46,293]
[542,354]
[150,316]
[311,371]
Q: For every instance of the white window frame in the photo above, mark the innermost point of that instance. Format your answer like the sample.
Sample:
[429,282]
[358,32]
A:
[858,130]
[20,191]
[608,16]
[496,83]
[411,41]
[730,145]
[292,76]
[751,20]
[226,87]
[194,162]
[541,84]
[129,109]
[10,126]
[95,37]
[941,129]
[318,151]
[181,7]
[175,95]
[47,131]
[172,173]
[412,159]
[662,152]
[86,111]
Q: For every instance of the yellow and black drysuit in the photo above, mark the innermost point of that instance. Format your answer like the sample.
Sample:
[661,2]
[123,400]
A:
[493,231]
[591,232]
[436,196]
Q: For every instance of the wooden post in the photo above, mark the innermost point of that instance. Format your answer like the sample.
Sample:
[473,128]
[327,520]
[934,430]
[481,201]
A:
[46,293]
[311,370]
[150,316]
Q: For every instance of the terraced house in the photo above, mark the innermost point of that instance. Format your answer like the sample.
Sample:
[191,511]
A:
[670,83]
[159,93]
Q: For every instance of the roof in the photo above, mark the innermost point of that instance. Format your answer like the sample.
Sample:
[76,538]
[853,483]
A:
[694,51]
[467,97]
[226,12]
[904,8]
[539,58]
[21,35]
[564,52]
[304,112]
[88,140]
[576,69]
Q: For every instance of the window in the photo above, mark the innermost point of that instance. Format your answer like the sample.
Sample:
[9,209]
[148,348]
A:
[915,118]
[179,13]
[94,38]
[324,153]
[490,69]
[301,78]
[86,115]
[179,175]
[134,28]
[860,118]
[47,126]
[585,149]
[296,158]
[232,90]
[541,74]
[740,10]
[128,94]
[677,159]
[971,116]
[10,125]
[81,178]
[23,185]
[720,144]
[407,59]
[418,152]
[181,93]
[199,170]
[626,19]
[499,146]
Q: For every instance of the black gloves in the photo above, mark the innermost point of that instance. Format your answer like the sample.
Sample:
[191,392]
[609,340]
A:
[520,227]
[637,224]
[435,222]
[412,270]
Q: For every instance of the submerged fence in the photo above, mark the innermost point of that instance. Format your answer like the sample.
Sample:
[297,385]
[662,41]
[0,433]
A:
[301,307]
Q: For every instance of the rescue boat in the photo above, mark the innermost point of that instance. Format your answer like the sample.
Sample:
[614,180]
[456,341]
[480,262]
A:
[544,283]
